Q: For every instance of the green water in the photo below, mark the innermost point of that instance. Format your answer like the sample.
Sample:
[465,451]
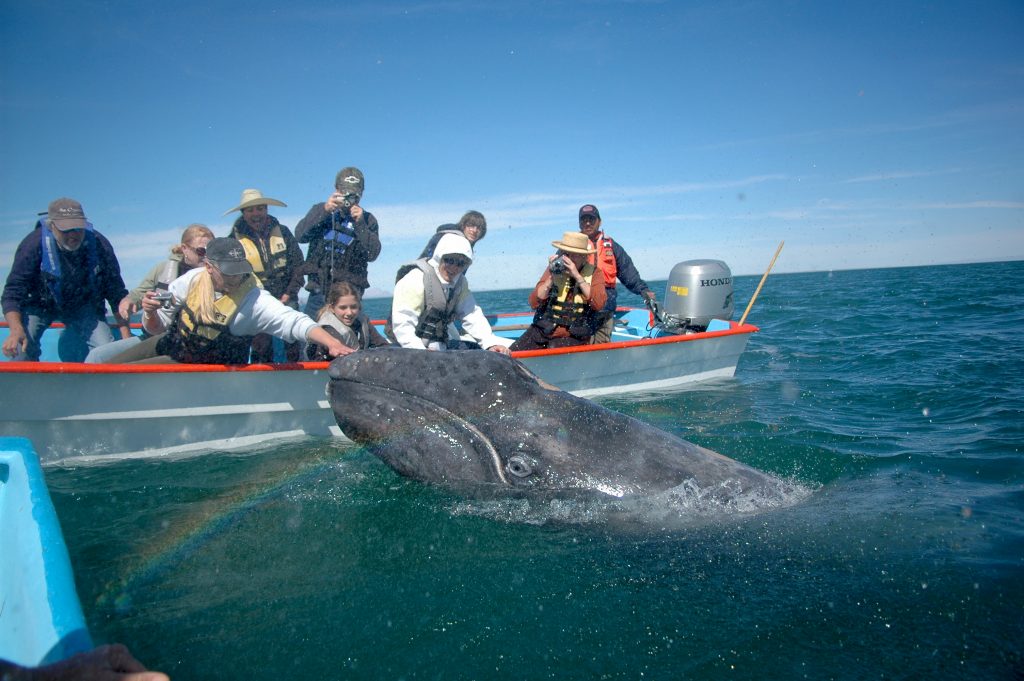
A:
[892,397]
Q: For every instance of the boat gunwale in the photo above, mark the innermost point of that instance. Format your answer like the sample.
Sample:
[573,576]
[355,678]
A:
[79,368]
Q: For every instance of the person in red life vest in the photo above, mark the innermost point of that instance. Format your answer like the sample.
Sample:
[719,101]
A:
[276,259]
[568,298]
[614,263]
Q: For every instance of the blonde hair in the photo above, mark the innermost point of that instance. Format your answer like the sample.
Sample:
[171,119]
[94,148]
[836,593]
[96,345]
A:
[203,285]
[335,293]
[192,232]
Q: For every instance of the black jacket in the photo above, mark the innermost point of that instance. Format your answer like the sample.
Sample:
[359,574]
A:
[352,266]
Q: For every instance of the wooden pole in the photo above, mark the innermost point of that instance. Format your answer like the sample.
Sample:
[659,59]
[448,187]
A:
[754,297]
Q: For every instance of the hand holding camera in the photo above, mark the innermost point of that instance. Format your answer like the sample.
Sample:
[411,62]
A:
[346,204]
[154,300]
[563,264]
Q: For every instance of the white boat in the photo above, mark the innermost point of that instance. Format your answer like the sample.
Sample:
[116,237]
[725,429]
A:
[40,615]
[93,411]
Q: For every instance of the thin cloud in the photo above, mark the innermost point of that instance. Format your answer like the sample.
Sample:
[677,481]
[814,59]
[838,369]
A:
[973,204]
[898,175]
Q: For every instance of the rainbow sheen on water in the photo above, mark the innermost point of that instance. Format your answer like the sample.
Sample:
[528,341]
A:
[891,397]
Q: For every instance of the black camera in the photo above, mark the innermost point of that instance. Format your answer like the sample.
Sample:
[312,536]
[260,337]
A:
[557,266]
[349,200]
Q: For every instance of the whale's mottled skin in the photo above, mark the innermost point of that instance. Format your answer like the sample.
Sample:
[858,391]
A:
[475,419]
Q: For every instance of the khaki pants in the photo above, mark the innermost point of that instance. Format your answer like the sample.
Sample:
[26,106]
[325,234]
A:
[604,332]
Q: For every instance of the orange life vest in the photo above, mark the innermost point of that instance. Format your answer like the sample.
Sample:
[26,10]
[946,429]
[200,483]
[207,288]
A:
[604,259]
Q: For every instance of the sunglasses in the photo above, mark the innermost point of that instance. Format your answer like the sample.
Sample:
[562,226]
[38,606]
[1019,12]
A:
[455,261]
[587,219]
[200,251]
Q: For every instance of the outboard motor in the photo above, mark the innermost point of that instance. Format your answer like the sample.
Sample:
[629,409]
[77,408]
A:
[697,292]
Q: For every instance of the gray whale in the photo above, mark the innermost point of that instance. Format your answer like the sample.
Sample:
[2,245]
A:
[478,421]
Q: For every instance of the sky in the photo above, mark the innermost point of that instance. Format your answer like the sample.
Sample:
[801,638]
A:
[863,134]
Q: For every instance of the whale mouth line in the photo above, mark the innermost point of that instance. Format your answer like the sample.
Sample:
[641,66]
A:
[476,434]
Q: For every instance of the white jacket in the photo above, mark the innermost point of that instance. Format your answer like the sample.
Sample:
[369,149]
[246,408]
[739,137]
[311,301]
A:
[259,312]
[408,302]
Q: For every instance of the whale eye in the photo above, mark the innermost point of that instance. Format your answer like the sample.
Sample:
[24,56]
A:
[519,467]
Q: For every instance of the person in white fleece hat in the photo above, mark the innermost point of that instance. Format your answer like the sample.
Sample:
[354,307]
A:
[432,294]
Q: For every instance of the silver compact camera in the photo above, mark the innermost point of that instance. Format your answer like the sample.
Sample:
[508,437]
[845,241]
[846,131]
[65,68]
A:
[164,297]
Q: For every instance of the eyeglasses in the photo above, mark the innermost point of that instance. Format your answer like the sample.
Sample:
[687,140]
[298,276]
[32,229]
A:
[200,251]
[73,230]
[455,261]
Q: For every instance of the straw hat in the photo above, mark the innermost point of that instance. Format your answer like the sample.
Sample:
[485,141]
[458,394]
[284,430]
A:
[574,242]
[254,197]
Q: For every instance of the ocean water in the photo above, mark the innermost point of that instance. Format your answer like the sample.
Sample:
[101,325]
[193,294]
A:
[890,399]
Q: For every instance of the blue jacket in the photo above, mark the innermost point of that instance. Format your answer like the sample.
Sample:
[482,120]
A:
[627,273]
[87,279]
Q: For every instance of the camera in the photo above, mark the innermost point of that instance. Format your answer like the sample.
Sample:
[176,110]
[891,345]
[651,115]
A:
[557,266]
[349,200]
[162,296]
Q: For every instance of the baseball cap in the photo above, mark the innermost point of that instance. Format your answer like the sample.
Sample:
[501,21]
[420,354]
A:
[65,214]
[589,209]
[228,256]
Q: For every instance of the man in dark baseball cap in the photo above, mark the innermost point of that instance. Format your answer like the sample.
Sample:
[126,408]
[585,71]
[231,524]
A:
[65,271]
[615,263]
[343,239]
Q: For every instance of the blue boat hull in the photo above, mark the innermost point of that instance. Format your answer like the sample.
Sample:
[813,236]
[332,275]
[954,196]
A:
[41,618]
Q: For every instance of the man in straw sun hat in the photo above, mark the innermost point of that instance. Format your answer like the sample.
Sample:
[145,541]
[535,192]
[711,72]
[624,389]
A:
[276,259]
[568,298]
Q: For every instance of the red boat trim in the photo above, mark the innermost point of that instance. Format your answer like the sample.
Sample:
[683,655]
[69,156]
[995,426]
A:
[78,368]
[735,330]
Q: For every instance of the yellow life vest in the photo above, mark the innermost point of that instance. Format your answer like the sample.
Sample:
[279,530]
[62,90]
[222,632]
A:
[276,258]
[566,305]
[197,342]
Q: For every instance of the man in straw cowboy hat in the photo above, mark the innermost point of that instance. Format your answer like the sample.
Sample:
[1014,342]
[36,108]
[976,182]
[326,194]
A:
[342,237]
[276,259]
[568,298]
